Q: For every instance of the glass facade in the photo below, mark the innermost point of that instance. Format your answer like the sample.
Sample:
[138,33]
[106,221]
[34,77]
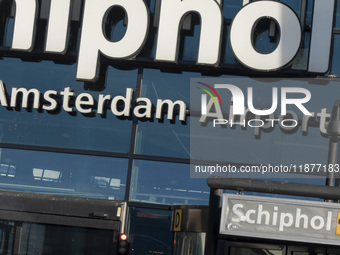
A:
[143,161]
[53,239]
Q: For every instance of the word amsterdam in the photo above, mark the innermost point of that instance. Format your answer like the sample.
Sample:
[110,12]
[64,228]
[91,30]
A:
[122,106]
[94,44]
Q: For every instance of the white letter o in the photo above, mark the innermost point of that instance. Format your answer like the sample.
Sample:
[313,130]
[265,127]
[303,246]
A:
[241,34]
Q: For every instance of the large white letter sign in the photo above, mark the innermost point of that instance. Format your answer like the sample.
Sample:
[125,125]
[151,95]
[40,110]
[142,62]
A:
[322,29]
[94,42]
[58,22]
[171,14]
[242,29]
[25,15]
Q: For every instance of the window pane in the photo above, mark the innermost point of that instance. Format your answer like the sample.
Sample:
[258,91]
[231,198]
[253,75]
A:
[305,143]
[6,237]
[63,174]
[337,18]
[167,183]
[39,239]
[230,8]
[59,128]
[189,243]
[158,85]
[149,231]
[165,137]
[336,55]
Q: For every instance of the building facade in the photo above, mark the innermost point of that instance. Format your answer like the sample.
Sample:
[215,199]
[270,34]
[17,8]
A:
[82,114]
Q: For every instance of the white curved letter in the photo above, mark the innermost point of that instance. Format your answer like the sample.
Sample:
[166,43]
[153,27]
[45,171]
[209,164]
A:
[242,29]
[93,40]
[171,14]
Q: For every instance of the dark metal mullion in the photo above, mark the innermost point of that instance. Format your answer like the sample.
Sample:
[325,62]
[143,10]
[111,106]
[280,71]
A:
[93,153]
[63,150]
[162,158]
[52,219]
[303,12]
[149,205]
[17,238]
[133,136]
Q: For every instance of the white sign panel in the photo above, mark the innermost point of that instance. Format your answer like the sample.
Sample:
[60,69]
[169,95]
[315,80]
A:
[281,219]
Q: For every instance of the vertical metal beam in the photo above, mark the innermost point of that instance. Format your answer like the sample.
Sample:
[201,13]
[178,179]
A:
[303,12]
[321,38]
[331,161]
[214,217]
[133,136]
[17,238]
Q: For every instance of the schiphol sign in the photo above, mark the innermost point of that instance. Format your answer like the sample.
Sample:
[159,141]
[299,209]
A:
[94,44]
[280,219]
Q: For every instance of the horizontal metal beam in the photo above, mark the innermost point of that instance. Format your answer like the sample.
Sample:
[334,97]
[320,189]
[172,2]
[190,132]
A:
[274,187]
[59,205]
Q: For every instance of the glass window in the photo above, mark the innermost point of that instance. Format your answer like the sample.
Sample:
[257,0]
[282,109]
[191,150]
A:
[301,60]
[38,239]
[60,128]
[337,17]
[189,243]
[227,55]
[165,137]
[159,85]
[63,174]
[189,38]
[167,183]
[149,231]
[6,236]
[309,12]
[230,8]
[335,70]
[276,144]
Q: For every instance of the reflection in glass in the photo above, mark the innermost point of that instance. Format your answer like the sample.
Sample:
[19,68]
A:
[165,137]
[159,85]
[167,183]
[189,243]
[266,35]
[6,237]
[63,174]
[149,231]
[230,8]
[58,128]
[337,16]
[335,70]
[38,239]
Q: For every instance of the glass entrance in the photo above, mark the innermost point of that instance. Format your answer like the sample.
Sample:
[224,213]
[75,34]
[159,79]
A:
[36,224]
[24,238]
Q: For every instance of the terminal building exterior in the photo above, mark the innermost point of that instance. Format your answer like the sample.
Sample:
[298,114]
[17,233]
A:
[96,111]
